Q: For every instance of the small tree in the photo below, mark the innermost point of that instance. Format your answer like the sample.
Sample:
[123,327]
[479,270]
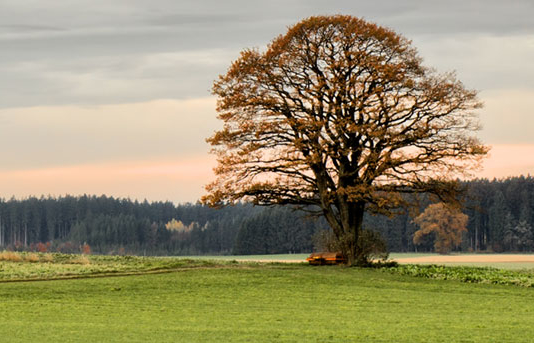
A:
[446,222]
[86,249]
[175,225]
[41,247]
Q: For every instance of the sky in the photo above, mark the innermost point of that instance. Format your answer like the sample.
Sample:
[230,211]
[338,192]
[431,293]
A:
[113,97]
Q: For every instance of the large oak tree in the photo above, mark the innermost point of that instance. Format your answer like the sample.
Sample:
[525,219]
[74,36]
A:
[340,114]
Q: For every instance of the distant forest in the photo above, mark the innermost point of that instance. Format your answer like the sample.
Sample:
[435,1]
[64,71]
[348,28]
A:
[501,218]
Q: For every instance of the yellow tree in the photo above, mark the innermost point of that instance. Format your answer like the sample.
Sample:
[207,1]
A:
[446,222]
[340,115]
[175,225]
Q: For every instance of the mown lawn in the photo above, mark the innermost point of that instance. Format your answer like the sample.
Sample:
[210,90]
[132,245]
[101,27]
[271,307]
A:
[265,303]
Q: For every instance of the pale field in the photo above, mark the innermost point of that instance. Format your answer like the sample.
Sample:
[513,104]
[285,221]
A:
[503,261]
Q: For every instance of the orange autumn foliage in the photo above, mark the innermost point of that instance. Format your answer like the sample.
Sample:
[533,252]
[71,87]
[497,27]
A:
[446,222]
[86,249]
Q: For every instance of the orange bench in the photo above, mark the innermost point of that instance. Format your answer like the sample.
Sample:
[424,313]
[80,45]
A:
[321,258]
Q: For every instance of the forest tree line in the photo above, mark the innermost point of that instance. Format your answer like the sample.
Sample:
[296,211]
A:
[501,218]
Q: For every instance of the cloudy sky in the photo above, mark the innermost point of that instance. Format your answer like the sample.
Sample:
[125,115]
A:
[113,97]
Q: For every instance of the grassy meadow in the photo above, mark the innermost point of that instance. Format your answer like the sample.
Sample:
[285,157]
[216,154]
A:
[181,300]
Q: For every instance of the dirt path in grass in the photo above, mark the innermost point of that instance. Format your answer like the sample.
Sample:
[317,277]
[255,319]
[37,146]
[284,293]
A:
[493,258]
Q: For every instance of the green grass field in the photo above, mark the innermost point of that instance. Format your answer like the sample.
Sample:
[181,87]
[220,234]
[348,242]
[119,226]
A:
[251,302]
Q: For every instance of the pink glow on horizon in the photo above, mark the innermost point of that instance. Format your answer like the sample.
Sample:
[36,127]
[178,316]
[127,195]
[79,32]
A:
[183,179]
[507,160]
[177,180]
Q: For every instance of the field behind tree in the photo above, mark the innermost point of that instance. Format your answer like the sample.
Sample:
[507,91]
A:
[501,261]
[176,300]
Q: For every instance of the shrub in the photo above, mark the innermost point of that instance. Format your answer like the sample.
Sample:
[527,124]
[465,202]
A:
[467,274]
[82,259]
[371,246]
[31,257]
[47,258]
[86,249]
[68,248]
[41,247]
[10,256]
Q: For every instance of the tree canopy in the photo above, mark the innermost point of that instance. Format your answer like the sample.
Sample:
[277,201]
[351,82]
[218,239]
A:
[340,114]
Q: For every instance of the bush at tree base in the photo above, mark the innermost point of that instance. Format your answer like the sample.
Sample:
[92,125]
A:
[371,245]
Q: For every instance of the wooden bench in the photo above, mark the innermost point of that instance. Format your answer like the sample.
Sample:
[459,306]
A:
[322,258]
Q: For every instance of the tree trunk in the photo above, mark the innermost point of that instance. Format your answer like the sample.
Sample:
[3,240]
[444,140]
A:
[346,223]
[352,225]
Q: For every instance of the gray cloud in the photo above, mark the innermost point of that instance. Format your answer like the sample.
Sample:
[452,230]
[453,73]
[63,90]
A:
[24,28]
[112,79]
[457,17]
[50,50]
